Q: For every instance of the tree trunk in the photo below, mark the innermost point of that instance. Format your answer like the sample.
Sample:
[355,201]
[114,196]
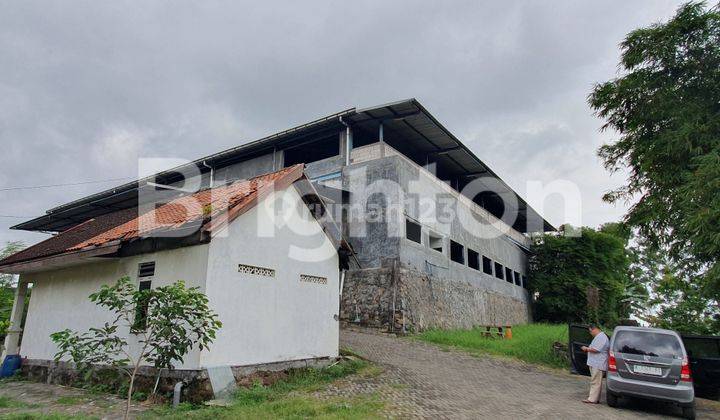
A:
[130,390]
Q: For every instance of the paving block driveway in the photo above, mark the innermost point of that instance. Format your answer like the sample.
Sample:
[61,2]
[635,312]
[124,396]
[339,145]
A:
[424,380]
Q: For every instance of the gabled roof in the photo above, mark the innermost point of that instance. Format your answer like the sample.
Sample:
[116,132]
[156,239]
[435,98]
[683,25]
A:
[205,211]
[422,134]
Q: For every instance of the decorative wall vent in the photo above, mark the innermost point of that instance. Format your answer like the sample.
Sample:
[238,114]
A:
[146,269]
[258,271]
[313,279]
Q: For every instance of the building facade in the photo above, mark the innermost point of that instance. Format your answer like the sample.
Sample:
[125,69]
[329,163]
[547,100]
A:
[275,304]
[439,239]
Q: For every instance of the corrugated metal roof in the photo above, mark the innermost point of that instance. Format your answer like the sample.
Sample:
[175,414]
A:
[408,118]
[413,122]
[65,216]
[201,210]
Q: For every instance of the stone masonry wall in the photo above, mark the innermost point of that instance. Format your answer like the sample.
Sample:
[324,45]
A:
[422,301]
[367,297]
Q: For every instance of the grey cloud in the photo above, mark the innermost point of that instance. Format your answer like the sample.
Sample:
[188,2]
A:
[88,87]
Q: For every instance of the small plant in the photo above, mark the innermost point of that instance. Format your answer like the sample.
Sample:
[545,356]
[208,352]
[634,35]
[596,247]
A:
[168,321]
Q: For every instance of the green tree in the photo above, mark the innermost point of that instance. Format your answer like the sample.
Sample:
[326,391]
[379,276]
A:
[7,287]
[563,269]
[634,286]
[666,109]
[656,291]
[680,305]
[168,321]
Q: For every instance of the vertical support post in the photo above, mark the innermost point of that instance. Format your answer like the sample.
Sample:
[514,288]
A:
[12,339]
[348,145]
[278,159]
[381,138]
[342,281]
[393,278]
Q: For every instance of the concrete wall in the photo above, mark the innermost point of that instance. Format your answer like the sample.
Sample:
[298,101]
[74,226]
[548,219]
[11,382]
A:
[371,152]
[59,297]
[402,189]
[250,168]
[421,301]
[435,291]
[324,167]
[371,226]
[268,319]
[470,227]
[265,319]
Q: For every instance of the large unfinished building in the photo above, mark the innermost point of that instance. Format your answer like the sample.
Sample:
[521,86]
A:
[439,240]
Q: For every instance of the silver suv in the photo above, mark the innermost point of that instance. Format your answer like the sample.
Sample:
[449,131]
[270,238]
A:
[649,363]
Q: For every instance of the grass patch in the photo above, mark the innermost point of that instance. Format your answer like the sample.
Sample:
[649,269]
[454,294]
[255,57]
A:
[531,343]
[370,371]
[288,399]
[41,416]
[16,377]
[287,407]
[71,400]
[7,402]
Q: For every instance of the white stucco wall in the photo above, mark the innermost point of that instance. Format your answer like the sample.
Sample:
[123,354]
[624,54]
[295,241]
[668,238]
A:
[265,319]
[59,297]
[269,319]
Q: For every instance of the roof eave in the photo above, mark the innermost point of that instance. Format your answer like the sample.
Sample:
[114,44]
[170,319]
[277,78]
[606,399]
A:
[61,259]
[55,213]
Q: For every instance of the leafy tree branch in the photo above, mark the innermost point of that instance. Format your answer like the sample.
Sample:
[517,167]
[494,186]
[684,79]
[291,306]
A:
[169,321]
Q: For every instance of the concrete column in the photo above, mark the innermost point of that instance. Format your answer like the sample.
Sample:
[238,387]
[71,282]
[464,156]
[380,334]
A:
[341,140]
[12,339]
[348,145]
[278,160]
[381,139]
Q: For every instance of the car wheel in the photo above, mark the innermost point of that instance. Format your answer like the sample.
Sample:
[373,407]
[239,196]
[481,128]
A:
[611,398]
[689,411]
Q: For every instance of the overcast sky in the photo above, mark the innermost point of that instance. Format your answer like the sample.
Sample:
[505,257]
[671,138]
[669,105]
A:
[88,87]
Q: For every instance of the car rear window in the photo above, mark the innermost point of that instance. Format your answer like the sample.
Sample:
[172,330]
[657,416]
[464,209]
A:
[647,344]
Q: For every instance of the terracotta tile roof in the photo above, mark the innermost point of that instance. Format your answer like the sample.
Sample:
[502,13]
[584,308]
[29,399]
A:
[207,209]
[62,242]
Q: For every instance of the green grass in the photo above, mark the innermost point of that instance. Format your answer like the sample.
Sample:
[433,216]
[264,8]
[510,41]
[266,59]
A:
[7,402]
[530,343]
[71,400]
[41,416]
[289,399]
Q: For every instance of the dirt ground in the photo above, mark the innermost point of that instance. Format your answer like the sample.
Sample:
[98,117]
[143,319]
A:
[37,398]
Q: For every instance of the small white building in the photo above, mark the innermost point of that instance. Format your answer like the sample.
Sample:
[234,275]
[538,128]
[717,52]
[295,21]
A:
[263,250]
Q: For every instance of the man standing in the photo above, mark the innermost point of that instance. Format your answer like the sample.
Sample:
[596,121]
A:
[597,359]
